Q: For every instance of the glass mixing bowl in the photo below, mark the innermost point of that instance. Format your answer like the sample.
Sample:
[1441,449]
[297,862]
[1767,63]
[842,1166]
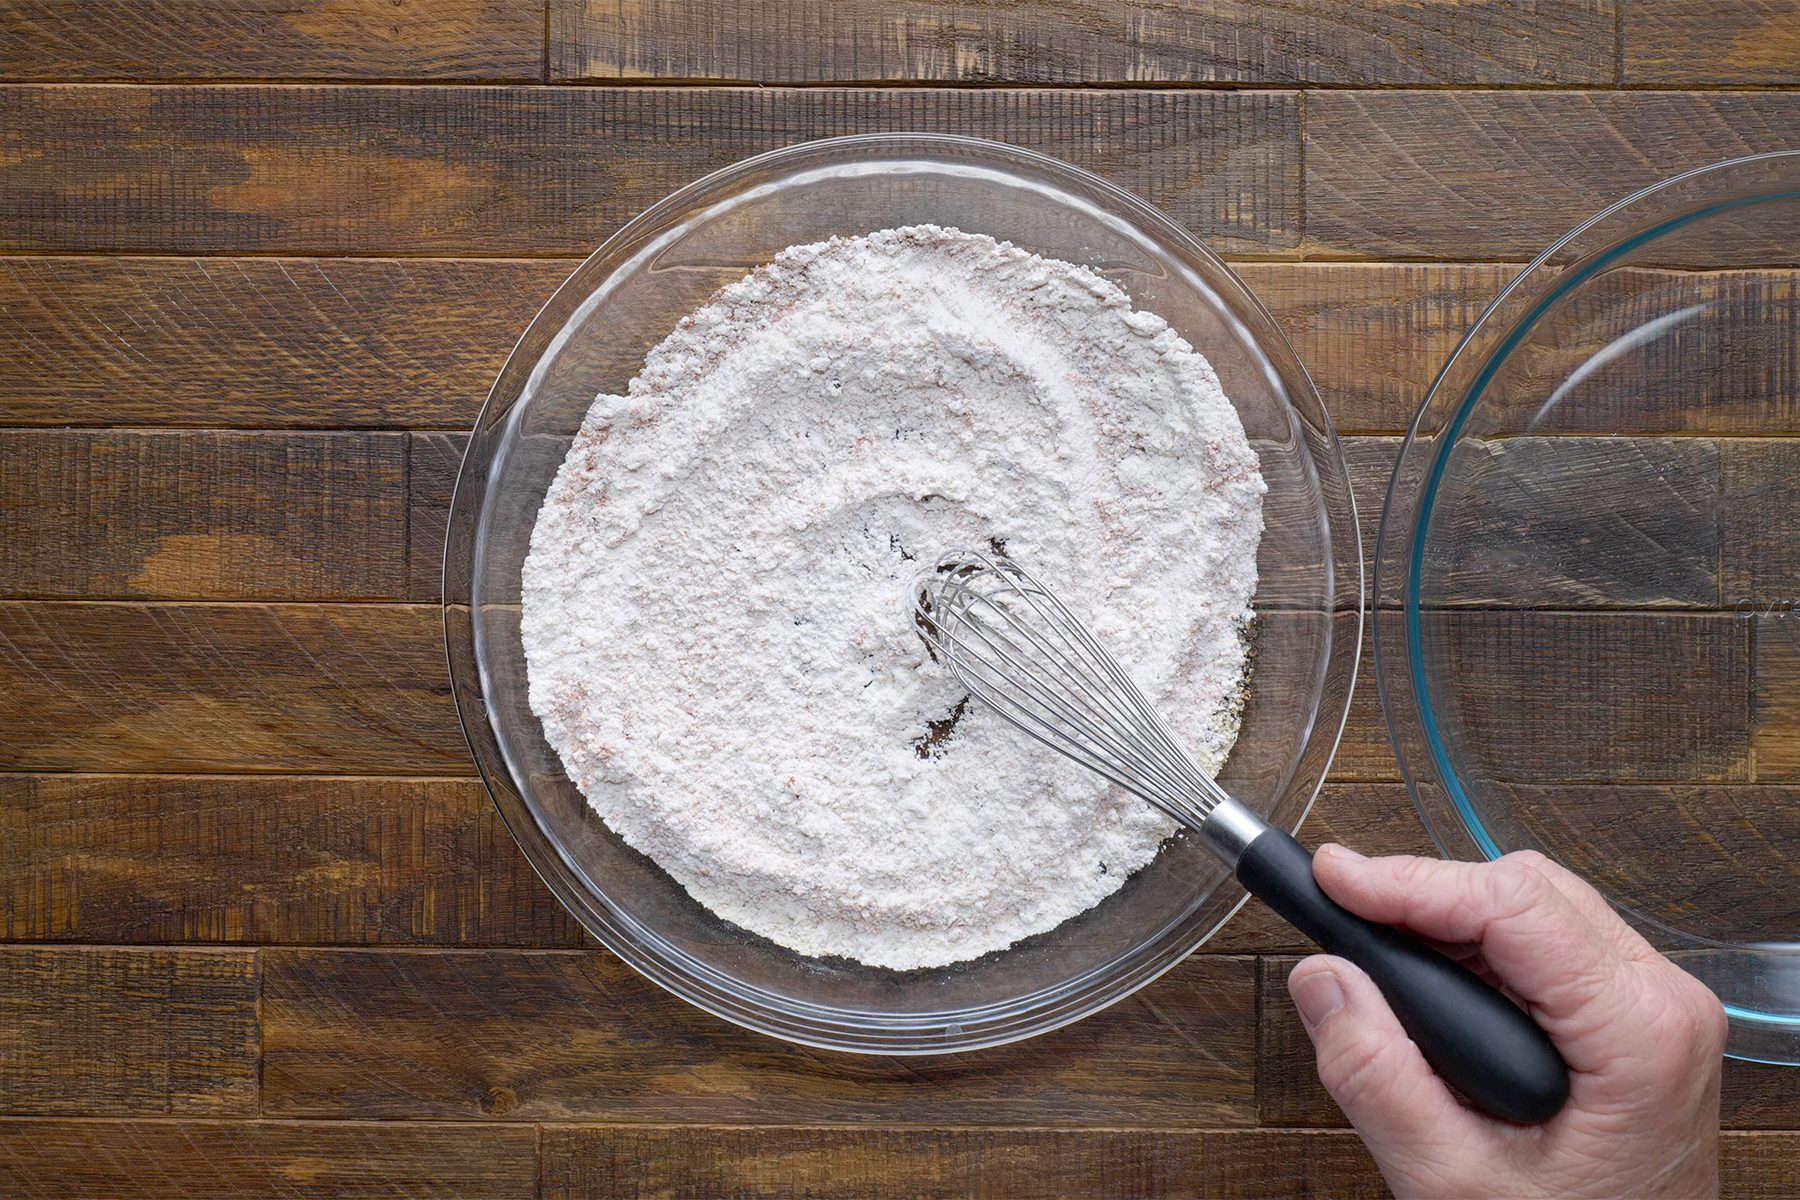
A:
[592,337]
[1587,637]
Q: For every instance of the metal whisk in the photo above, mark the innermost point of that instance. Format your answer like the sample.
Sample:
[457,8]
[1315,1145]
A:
[1019,650]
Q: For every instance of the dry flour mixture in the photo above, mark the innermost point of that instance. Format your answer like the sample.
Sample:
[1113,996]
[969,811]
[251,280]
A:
[715,609]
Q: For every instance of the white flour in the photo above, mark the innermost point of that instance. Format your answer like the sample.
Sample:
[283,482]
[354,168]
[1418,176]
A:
[714,603]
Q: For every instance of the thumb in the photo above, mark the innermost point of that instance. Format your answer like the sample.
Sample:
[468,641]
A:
[1372,1069]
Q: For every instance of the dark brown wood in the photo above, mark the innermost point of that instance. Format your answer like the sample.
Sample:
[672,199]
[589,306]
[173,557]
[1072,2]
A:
[1087,42]
[545,1036]
[1460,175]
[1732,43]
[1775,710]
[101,1032]
[629,1162]
[264,343]
[121,858]
[1597,697]
[1759,1166]
[214,516]
[350,689]
[1374,335]
[480,170]
[272,39]
[1759,1096]
[1760,567]
[432,464]
[227,1160]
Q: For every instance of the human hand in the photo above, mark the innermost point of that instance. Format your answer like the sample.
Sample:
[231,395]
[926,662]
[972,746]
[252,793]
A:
[1641,1037]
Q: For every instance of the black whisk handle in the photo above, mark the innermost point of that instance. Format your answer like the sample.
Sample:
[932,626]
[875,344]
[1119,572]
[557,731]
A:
[1476,1039]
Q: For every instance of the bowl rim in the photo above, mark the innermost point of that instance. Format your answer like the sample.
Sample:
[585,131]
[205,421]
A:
[1432,433]
[693,980]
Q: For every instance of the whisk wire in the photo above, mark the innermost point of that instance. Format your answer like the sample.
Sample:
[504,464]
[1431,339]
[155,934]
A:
[1020,650]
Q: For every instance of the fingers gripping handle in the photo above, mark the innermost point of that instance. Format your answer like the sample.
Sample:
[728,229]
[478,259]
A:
[1476,1039]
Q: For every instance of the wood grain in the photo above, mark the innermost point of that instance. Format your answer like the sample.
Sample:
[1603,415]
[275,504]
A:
[1759,1166]
[397,343]
[1086,42]
[1374,335]
[1754,1095]
[212,516]
[1459,175]
[1775,711]
[1760,564]
[433,460]
[117,1032]
[485,171]
[264,343]
[543,1036]
[272,39]
[121,858]
[226,1160]
[628,1162]
[349,689]
[1578,522]
[1595,697]
[1731,43]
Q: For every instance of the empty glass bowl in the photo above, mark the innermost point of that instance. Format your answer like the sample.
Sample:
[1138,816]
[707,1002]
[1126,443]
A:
[592,337]
[1587,634]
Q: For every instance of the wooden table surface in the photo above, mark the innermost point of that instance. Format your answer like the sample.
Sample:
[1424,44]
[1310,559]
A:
[265,934]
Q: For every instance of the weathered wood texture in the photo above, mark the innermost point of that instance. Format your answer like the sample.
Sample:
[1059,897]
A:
[112,1032]
[481,170]
[1775,706]
[120,858]
[264,343]
[211,516]
[1732,43]
[500,40]
[398,343]
[624,1162]
[1469,175]
[551,1036]
[228,1160]
[1754,1095]
[1084,43]
[434,459]
[350,689]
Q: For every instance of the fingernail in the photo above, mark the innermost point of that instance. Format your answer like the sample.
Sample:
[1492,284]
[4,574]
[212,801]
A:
[1342,853]
[1317,996]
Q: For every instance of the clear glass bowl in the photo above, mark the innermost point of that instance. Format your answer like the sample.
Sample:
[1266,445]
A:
[592,337]
[1586,637]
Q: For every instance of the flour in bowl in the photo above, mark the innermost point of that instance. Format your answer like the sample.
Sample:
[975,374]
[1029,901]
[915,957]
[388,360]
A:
[715,613]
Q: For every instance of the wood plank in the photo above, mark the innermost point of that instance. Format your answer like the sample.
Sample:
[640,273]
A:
[1374,335]
[122,1032]
[1759,1166]
[396,343]
[540,1036]
[486,171]
[1456,175]
[1753,1095]
[120,858]
[1775,715]
[346,689]
[631,1162]
[433,460]
[1094,41]
[1578,522]
[1595,697]
[211,516]
[272,39]
[264,343]
[1760,562]
[224,1160]
[1729,43]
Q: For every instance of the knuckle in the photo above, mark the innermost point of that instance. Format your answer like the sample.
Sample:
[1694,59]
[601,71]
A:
[1514,884]
[1356,1068]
